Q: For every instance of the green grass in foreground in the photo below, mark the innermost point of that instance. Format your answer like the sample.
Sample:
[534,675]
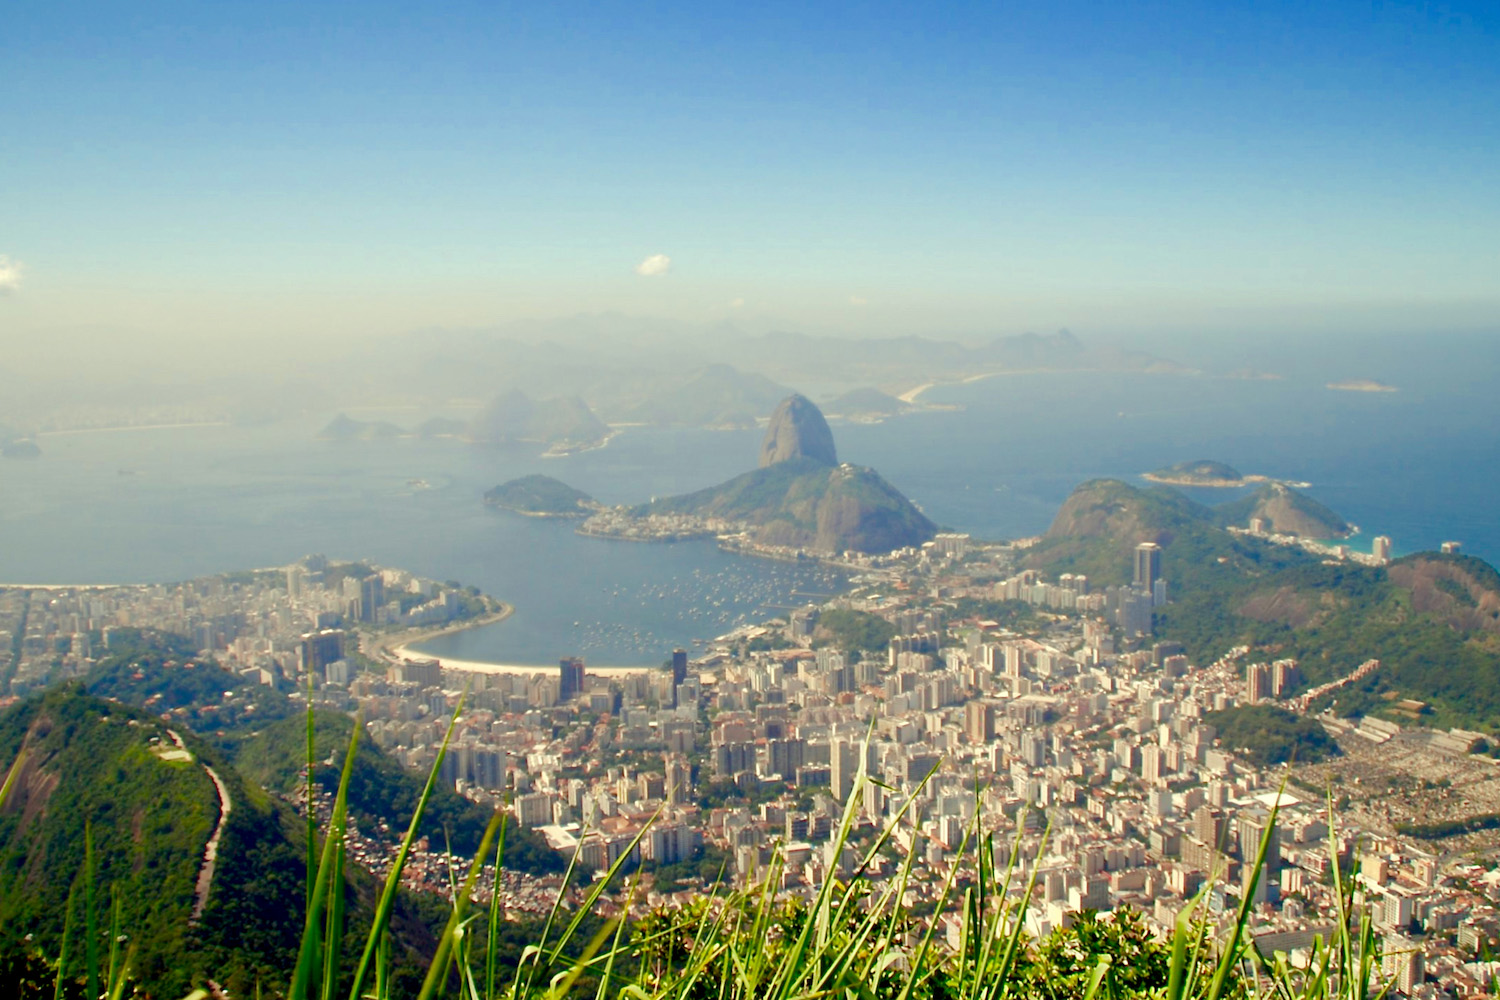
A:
[851,940]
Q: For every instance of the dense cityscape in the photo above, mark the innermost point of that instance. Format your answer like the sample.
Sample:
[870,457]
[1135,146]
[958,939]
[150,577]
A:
[1067,731]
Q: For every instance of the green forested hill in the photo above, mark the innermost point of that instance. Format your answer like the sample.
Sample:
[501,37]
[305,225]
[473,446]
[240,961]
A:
[160,672]
[1432,620]
[805,503]
[98,763]
[381,790]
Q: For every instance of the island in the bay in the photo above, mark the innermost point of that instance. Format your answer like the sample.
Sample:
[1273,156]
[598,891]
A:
[542,496]
[1202,472]
[800,500]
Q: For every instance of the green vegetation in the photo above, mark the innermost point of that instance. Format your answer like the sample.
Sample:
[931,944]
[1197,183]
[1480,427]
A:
[1443,829]
[1457,591]
[710,866]
[845,628]
[541,495]
[159,671]
[1267,735]
[1228,590]
[850,938]
[94,767]
[804,503]
[1286,511]
[1202,470]
[1006,614]
[381,793]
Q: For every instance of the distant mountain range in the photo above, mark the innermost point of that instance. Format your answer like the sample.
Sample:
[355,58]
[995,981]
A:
[514,417]
[662,373]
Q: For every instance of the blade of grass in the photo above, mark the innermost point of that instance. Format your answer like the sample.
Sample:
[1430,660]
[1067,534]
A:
[90,918]
[310,953]
[12,775]
[393,878]
[1232,954]
[437,970]
[312,816]
[62,952]
[492,944]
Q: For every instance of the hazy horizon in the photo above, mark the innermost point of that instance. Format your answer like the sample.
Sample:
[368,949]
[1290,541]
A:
[239,179]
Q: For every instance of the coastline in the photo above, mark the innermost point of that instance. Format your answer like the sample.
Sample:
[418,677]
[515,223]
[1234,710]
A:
[393,649]
[396,647]
[66,431]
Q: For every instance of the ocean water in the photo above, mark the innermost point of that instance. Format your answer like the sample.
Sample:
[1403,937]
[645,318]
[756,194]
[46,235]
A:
[1421,465]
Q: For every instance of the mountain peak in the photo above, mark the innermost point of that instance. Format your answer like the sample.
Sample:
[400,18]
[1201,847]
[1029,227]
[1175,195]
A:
[798,431]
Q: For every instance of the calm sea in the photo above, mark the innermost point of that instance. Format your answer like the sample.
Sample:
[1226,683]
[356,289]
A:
[1421,465]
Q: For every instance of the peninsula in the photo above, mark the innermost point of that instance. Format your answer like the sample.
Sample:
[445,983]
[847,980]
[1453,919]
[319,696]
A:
[800,500]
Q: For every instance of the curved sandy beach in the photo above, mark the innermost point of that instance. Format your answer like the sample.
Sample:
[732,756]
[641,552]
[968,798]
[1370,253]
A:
[482,667]
[398,648]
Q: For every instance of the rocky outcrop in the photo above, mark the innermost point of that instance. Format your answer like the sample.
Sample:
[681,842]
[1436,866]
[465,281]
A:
[802,503]
[801,497]
[798,431]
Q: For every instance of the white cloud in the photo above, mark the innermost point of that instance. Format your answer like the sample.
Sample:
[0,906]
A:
[736,303]
[858,300]
[653,266]
[10,274]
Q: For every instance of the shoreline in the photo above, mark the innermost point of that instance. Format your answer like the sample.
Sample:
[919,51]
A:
[131,427]
[400,647]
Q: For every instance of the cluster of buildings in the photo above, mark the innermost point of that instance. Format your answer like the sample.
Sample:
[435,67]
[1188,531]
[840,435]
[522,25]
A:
[1085,746]
[272,626]
[1090,750]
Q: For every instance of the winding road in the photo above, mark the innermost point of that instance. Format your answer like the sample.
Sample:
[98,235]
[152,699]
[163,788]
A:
[211,851]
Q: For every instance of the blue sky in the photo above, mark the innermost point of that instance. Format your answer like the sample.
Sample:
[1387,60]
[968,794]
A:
[236,170]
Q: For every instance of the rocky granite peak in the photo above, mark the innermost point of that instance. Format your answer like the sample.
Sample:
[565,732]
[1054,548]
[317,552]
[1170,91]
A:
[798,431]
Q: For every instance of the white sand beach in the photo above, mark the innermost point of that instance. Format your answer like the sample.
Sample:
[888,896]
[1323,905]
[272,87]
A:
[480,667]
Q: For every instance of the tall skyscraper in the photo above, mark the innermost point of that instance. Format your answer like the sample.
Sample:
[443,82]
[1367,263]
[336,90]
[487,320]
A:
[1147,565]
[1258,682]
[318,649]
[844,760]
[371,597]
[571,683]
[679,671]
[679,780]
[1380,548]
